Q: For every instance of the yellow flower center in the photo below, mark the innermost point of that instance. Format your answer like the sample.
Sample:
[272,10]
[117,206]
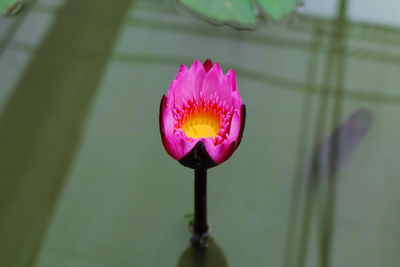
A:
[201,124]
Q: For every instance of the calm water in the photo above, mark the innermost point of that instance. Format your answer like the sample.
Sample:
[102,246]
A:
[86,182]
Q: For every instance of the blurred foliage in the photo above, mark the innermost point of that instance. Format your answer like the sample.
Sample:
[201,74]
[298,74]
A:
[5,4]
[188,217]
[11,8]
[241,13]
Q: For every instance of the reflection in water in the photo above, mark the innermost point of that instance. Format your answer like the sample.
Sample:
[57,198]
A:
[316,186]
[212,256]
[334,151]
[314,194]
[42,121]
[345,139]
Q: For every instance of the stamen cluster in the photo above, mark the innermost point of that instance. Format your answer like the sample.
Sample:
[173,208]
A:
[212,107]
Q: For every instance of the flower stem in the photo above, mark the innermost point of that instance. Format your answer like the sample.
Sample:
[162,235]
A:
[200,227]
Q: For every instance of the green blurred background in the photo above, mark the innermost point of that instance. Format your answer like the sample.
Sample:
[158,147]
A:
[85,181]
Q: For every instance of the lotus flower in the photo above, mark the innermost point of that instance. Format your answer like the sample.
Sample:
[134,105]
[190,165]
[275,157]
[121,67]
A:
[202,118]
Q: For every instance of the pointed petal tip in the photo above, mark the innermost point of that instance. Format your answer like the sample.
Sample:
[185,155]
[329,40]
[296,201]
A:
[217,68]
[197,69]
[230,78]
[196,64]
[182,69]
[216,64]
[232,73]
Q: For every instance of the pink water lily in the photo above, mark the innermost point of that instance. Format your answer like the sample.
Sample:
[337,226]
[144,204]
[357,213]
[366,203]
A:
[202,117]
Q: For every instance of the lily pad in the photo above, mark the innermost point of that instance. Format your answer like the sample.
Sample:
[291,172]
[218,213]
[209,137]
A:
[278,9]
[11,8]
[241,13]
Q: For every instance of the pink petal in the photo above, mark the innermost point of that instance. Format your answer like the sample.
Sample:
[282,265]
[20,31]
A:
[187,84]
[174,142]
[221,152]
[230,80]
[236,100]
[235,127]
[167,131]
[212,82]
[196,77]
[182,145]
[176,84]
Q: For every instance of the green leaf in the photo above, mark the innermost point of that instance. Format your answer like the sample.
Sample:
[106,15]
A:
[278,9]
[227,11]
[5,4]
[240,13]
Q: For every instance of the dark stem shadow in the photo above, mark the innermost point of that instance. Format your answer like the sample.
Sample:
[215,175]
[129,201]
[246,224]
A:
[42,121]
[212,256]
